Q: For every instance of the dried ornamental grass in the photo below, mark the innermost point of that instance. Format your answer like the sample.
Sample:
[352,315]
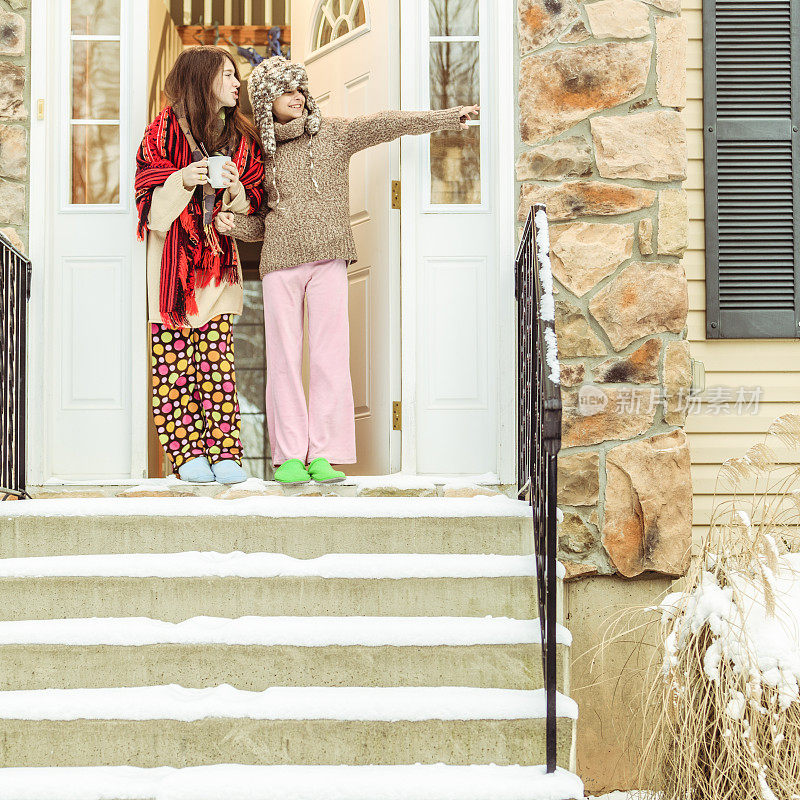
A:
[724,712]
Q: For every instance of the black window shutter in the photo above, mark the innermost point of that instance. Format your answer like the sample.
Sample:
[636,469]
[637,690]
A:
[750,107]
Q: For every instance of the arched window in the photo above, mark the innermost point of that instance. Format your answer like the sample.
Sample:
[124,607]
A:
[336,19]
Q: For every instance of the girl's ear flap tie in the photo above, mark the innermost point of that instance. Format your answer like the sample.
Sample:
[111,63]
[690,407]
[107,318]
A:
[311,159]
[275,184]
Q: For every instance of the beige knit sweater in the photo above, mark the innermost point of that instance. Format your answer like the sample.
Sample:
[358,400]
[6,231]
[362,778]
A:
[306,225]
[169,201]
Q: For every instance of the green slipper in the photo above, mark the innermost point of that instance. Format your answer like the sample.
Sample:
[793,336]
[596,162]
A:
[321,471]
[292,472]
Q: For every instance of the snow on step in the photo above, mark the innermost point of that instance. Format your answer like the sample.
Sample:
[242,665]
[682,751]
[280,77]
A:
[239,782]
[392,704]
[269,565]
[271,631]
[363,507]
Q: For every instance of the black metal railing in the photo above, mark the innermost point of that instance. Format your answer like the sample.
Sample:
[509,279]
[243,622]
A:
[15,282]
[539,415]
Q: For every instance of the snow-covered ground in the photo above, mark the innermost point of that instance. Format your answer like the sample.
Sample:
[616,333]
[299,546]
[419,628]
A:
[238,782]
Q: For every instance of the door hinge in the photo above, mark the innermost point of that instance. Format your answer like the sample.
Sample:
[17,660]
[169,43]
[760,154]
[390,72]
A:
[396,195]
[40,109]
[397,416]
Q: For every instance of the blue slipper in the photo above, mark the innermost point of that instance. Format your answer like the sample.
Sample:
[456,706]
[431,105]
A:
[228,472]
[196,470]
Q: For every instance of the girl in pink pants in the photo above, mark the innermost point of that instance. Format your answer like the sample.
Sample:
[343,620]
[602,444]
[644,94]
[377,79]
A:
[308,243]
[327,429]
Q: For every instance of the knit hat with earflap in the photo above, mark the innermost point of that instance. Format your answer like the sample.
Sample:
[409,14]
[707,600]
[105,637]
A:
[270,79]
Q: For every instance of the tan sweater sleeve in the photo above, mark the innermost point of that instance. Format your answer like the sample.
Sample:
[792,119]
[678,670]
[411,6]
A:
[248,227]
[239,205]
[372,129]
[168,202]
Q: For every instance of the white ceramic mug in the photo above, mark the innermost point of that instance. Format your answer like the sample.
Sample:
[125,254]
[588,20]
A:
[215,170]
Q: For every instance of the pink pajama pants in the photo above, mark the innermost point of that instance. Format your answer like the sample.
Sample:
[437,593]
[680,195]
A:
[326,426]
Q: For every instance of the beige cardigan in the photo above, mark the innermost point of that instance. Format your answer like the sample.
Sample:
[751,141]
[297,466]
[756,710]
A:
[169,201]
[303,224]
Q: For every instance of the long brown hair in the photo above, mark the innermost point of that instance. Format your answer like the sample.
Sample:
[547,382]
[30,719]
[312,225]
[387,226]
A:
[190,83]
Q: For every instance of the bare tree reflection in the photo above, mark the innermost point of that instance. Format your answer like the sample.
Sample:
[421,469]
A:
[95,96]
[455,78]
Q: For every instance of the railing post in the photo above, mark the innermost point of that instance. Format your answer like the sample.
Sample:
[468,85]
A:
[540,438]
[551,638]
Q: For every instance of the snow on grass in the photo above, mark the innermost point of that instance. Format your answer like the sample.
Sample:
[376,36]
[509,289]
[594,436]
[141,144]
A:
[283,507]
[240,782]
[392,704]
[271,631]
[269,565]
[761,643]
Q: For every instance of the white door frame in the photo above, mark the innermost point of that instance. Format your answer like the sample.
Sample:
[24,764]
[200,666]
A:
[44,48]
[37,231]
[503,182]
[503,185]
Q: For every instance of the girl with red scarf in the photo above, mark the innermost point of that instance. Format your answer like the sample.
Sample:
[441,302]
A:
[194,279]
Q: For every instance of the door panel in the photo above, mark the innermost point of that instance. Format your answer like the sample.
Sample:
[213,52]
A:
[92,320]
[354,74]
[451,265]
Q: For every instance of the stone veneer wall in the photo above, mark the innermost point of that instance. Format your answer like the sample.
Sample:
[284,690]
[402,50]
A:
[603,145]
[14,119]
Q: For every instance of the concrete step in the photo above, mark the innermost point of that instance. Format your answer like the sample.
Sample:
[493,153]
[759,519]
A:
[178,586]
[177,599]
[303,527]
[175,726]
[237,782]
[254,653]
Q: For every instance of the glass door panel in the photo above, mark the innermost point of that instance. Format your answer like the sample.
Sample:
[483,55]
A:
[94,107]
[453,17]
[95,17]
[95,80]
[454,73]
[456,167]
[454,76]
[95,164]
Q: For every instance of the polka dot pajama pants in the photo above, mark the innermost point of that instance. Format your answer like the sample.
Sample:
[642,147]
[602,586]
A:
[195,408]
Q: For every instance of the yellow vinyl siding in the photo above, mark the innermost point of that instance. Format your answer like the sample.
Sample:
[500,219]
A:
[772,364]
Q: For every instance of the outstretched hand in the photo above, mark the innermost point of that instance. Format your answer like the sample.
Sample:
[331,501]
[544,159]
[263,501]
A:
[466,114]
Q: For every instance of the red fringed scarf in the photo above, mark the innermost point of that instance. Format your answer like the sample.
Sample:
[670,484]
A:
[194,253]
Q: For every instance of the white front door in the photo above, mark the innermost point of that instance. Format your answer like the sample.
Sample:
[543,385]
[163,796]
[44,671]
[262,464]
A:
[351,51]
[458,241]
[88,390]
